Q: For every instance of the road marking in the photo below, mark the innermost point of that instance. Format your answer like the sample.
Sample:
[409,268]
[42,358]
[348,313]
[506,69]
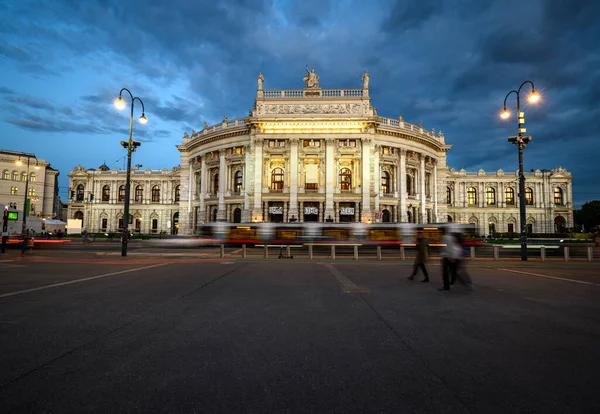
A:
[550,277]
[20,292]
[348,286]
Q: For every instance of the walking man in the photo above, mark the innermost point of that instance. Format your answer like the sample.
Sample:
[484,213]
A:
[420,259]
[448,263]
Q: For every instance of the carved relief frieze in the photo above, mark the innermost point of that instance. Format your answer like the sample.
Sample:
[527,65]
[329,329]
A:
[276,164]
[310,109]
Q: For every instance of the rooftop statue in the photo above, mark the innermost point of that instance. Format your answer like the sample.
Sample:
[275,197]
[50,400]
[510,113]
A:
[311,79]
[261,79]
[365,79]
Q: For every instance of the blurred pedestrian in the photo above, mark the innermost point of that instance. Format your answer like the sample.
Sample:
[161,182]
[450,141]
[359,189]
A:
[420,259]
[448,262]
[461,265]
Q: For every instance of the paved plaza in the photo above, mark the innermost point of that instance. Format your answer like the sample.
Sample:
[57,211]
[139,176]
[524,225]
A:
[186,333]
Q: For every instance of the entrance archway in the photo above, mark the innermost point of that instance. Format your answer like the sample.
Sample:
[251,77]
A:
[78,215]
[175,226]
[449,218]
[237,215]
[385,216]
[560,224]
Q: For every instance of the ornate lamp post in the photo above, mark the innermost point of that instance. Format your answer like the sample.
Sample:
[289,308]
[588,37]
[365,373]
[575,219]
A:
[521,142]
[130,146]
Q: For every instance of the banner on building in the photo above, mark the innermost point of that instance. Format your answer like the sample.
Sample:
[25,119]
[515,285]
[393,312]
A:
[275,210]
[311,211]
[347,211]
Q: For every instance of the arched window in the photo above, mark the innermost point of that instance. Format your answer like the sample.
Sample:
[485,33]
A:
[6,175]
[427,185]
[490,196]
[277,179]
[345,179]
[409,185]
[448,195]
[139,194]
[14,190]
[106,193]
[15,176]
[385,182]
[529,196]
[558,196]
[509,196]
[23,176]
[472,196]
[80,192]
[33,177]
[121,193]
[237,182]
[156,194]
[215,184]
[32,192]
[177,194]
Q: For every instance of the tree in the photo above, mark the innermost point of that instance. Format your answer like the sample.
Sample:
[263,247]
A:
[588,215]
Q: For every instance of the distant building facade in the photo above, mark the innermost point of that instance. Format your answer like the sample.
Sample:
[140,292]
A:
[97,197]
[42,187]
[317,154]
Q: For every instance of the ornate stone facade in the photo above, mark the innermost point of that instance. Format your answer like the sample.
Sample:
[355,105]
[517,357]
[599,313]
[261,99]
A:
[97,198]
[325,155]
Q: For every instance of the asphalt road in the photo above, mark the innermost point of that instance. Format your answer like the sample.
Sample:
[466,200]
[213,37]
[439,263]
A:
[189,335]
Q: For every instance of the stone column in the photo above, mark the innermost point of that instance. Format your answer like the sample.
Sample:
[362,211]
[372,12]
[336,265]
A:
[423,195]
[435,186]
[293,208]
[366,179]
[377,178]
[329,178]
[246,213]
[222,183]
[257,212]
[402,190]
[203,183]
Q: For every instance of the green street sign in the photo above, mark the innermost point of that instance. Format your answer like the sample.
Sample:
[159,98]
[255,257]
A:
[13,215]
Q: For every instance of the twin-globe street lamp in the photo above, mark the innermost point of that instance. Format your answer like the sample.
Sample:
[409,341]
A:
[521,142]
[130,146]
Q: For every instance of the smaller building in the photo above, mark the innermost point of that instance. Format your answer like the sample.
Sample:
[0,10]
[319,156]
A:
[97,197]
[20,170]
[490,200]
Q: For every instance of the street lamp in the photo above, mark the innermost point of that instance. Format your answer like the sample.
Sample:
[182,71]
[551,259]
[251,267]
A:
[130,146]
[521,142]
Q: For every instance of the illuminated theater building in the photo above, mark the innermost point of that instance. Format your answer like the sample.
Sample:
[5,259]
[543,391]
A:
[323,155]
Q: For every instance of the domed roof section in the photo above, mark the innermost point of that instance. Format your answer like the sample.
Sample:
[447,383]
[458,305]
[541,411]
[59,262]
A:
[104,167]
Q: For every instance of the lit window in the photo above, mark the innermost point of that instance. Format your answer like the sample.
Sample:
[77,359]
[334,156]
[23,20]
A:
[277,179]
[6,175]
[121,193]
[558,196]
[490,196]
[33,177]
[471,196]
[14,190]
[15,176]
[528,196]
[509,196]
[32,192]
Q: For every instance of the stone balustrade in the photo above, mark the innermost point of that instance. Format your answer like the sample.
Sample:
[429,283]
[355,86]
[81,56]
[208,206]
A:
[313,93]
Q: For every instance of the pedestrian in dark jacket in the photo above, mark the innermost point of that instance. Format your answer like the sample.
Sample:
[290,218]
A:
[420,259]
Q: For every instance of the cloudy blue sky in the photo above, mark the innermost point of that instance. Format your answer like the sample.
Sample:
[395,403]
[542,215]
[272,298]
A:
[448,63]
